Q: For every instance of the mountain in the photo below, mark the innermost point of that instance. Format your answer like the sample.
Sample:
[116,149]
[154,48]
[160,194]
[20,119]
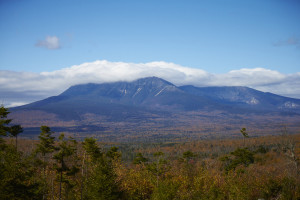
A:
[154,105]
[150,94]
[245,97]
[156,94]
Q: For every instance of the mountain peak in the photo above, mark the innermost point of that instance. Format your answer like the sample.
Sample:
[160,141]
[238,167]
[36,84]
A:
[152,80]
[136,92]
[152,100]
[155,92]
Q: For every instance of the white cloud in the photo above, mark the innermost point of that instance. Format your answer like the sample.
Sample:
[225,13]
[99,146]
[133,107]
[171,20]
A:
[250,77]
[45,84]
[50,42]
[15,104]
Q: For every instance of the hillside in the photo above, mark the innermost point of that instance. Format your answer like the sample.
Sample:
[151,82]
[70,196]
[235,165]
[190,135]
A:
[158,108]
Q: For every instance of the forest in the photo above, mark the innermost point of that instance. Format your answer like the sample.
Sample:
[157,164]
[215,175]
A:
[59,167]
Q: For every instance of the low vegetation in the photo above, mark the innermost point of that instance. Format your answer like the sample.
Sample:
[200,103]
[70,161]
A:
[60,167]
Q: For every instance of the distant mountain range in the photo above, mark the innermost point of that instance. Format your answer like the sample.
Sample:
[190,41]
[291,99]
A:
[145,101]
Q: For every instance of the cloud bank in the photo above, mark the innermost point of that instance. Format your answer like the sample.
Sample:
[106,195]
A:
[50,42]
[23,87]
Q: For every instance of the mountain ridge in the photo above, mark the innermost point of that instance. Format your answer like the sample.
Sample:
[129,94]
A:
[153,104]
[157,94]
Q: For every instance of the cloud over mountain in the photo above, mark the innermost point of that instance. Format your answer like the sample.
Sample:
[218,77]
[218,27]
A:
[21,87]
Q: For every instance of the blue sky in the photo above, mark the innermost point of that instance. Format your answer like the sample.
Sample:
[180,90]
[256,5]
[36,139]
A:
[216,36]
[254,43]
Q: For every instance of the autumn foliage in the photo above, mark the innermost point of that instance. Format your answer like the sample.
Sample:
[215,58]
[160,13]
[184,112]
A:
[60,167]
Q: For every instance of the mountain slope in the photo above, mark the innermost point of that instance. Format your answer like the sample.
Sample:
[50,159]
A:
[153,94]
[144,95]
[148,92]
[245,97]
[152,105]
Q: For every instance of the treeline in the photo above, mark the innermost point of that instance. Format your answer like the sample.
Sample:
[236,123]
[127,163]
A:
[63,168]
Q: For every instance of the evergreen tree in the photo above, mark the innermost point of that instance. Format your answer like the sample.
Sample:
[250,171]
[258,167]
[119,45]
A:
[16,173]
[4,128]
[102,181]
[244,133]
[189,165]
[113,153]
[15,131]
[159,167]
[139,159]
[241,156]
[188,155]
[65,171]
[46,144]
[17,176]
[91,149]
[91,154]
[44,147]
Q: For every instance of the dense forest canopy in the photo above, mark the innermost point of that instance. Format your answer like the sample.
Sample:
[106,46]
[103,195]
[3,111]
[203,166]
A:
[60,167]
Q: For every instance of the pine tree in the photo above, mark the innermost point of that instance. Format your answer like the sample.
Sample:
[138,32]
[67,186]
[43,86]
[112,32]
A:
[4,128]
[15,131]
[244,133]
[91,154]
[16,172]
[45,146]
[17,176]
[65,171]
[91,149]
[139,159]
[102,180]
[159,167]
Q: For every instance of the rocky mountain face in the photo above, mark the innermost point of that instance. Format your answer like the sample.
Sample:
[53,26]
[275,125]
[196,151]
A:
[155,93]
[146,100]
[140,92]
[148,94]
